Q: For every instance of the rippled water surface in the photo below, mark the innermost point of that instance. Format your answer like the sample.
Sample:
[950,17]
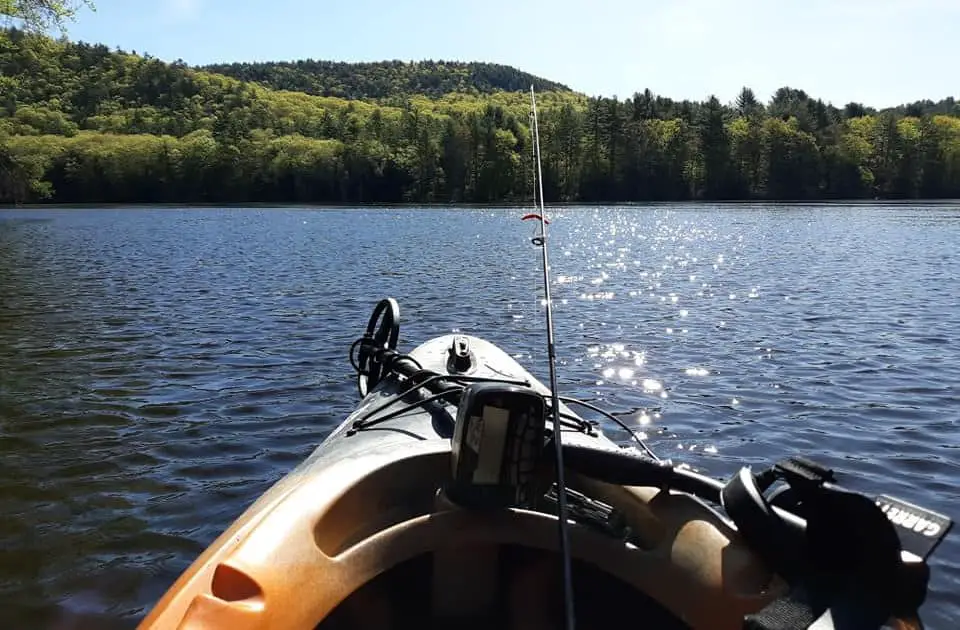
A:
[159,368]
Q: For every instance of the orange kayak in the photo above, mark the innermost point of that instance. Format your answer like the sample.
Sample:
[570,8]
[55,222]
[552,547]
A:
[436,502]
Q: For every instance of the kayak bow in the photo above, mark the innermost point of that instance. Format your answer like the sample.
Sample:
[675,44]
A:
[435,502]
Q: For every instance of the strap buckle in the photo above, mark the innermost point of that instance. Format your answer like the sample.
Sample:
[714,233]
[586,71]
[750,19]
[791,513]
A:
[800,472]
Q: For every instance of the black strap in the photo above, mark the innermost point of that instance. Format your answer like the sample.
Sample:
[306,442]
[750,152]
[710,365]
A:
[760,526]
[799,610]
[793,611]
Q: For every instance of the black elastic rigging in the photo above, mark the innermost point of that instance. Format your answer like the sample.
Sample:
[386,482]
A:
[610,416]
[389,359]
[396,363]
[367,422]
[431,382]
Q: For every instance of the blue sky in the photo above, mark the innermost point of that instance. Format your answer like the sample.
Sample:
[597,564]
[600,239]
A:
[880,52]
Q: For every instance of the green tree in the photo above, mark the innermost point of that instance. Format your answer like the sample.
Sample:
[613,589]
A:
[793,160]
[23,167]
[714,150]
[561,141]
[747,104]
[42,14]
[854,110]
[847,163]
[747,153]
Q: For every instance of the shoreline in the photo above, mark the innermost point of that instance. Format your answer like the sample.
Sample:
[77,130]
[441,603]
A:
[478,206]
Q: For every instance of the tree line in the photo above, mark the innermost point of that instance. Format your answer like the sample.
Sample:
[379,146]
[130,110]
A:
[83,123]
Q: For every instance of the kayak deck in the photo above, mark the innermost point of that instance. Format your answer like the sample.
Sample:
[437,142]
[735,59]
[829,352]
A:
[356,536]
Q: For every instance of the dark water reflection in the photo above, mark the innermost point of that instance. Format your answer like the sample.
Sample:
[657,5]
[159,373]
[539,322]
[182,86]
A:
[160,368]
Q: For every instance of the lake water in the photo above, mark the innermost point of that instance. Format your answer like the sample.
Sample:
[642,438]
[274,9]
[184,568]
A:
[160,368]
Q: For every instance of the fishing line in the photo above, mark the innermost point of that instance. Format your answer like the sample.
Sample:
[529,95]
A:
[541,241]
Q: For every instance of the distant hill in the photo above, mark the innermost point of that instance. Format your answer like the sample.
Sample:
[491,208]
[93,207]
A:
[383,79]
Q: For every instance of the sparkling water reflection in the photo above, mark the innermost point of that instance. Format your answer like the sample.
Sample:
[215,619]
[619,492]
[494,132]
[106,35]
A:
[160,368]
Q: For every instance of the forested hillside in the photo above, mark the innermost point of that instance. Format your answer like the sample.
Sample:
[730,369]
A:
[81,123]
[385,79]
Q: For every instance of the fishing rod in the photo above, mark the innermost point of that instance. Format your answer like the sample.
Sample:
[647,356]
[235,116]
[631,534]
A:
[541,241]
